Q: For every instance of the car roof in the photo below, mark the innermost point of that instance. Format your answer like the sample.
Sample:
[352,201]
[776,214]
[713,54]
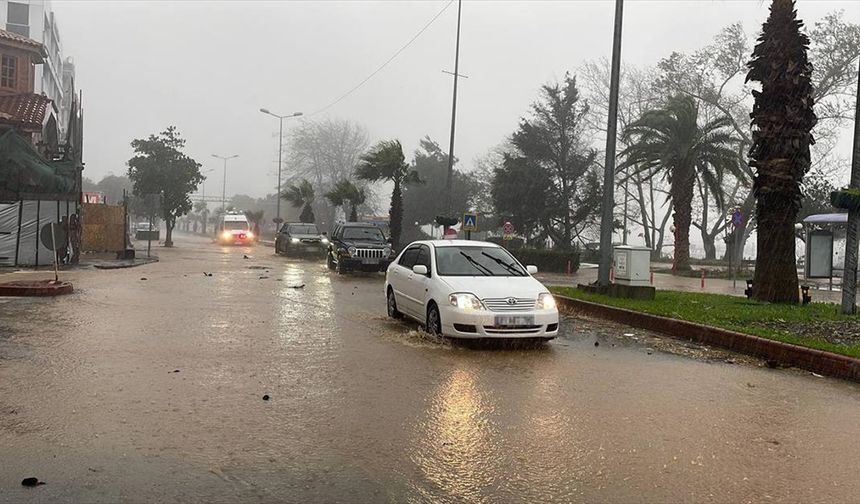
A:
[299,224]
[358,224]
[235,217]
[455,243]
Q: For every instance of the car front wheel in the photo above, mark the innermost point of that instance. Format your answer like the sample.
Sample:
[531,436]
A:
[434,321]
[329,261]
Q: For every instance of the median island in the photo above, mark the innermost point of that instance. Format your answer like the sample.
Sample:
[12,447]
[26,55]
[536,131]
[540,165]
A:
[819,326]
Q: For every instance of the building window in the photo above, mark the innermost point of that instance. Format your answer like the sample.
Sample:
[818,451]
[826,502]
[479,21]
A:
[8,71]
[18,18]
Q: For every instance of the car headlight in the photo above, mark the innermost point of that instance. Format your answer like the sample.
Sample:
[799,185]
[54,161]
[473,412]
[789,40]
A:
[386,252]
[351,251]
[294,240]
[465,301]
[545,301]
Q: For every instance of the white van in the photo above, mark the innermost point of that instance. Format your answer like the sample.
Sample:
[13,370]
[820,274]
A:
[234,229]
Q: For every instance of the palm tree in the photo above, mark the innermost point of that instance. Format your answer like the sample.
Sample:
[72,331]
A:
[345,192]
[302,195]
[669,142]
[385,161]
[782,121]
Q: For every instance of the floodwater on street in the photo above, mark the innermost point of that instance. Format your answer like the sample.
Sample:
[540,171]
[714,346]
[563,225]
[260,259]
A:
[147,384]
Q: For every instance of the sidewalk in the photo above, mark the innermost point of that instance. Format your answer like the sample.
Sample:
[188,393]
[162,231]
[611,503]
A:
[662,281]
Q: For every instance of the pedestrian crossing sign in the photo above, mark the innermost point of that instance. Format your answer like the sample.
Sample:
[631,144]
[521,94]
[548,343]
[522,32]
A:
[470,222]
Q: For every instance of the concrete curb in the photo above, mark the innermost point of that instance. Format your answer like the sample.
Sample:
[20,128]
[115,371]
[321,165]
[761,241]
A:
[786,354]
[107,265]
[39,288]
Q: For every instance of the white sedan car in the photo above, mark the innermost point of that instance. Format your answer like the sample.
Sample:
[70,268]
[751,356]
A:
[469,289]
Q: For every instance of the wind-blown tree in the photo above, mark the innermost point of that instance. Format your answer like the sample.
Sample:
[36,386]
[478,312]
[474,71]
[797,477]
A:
[160,167]
[422,203]
[782,122]
[302,195]
[346,193]
[522,198]
[552,141]
[385,162]
[255,217]
[669,142]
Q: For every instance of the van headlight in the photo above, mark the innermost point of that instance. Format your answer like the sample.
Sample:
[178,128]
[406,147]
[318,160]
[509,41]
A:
[226,235]
[545,301]
[465,301]
[294,240]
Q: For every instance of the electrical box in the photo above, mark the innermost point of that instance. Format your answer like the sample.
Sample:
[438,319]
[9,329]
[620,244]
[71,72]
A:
[632,265]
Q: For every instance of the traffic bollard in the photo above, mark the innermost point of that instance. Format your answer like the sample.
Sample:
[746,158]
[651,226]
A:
[703,279]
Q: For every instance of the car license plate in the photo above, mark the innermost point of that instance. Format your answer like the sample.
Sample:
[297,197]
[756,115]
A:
[514,320]
[370,260]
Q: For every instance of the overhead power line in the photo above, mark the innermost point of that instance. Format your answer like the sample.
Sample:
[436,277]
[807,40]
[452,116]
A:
[389,60]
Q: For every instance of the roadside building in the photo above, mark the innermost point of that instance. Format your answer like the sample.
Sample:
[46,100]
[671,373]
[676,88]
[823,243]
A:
[40,167]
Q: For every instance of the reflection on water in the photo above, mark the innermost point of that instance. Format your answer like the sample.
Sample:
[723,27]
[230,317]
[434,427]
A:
[456,440]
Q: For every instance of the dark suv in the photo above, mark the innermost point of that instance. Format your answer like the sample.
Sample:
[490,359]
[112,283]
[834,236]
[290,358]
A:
[358,246]
[299,238]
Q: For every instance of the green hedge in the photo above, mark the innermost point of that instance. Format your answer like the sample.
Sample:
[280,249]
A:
[550,260]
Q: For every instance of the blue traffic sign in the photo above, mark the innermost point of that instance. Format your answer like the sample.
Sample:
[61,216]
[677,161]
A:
[470,222]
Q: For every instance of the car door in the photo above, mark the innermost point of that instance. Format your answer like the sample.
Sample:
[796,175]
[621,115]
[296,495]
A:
[399,280]
[417,286]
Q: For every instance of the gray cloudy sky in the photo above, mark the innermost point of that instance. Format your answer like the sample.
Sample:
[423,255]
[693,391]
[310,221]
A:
[207,67]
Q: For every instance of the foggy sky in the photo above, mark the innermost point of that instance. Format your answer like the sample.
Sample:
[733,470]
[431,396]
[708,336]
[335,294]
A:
[207,67]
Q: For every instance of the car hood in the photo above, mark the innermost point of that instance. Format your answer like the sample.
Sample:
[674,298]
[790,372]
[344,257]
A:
[365,245]
[306,236]
[496,286]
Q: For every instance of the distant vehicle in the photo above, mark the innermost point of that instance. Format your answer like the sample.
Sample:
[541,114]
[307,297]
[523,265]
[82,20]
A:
[469,289]
[358,246]
[146,231]
[234,229]
[300,238]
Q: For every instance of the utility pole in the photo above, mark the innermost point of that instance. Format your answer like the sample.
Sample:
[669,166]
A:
[849,274]
[224,182]
[280,152]
[607,219]
[448,209]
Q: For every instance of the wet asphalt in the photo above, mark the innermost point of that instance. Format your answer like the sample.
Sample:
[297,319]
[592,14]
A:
[147,385]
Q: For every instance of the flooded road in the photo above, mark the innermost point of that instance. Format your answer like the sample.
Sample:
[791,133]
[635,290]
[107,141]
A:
[147,385]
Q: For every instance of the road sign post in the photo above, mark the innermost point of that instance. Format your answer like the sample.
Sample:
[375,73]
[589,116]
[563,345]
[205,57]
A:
[507,232]
[470,223]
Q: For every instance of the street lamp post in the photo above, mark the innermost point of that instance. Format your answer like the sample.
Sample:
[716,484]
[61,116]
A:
[849,273]
[606,221]
[224,183]
[280,151]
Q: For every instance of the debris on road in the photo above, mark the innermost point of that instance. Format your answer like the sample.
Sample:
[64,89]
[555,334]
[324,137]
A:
[31,482]
[207,274]
[265,397]
[263,278]
[143,278]
[596,343]
[301,286]
[245,256]
[174,371]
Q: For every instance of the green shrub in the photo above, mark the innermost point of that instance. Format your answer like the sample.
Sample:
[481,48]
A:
[551,260]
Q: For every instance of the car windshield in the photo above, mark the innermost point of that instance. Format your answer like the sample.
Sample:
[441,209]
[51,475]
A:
[370,234]
[305,229]
[233,225]
[476,261]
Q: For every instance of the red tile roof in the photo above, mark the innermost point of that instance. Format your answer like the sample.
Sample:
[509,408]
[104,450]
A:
[14,37]
[24,111]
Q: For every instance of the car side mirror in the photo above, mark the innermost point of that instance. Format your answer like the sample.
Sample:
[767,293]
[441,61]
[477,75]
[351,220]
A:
[419,269]
[532,269]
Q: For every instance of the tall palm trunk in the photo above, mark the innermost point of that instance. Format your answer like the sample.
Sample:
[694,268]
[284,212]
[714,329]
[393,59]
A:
[395,215]
[682,189]
[776,269]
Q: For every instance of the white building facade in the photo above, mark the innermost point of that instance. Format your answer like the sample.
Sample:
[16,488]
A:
[35,19]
